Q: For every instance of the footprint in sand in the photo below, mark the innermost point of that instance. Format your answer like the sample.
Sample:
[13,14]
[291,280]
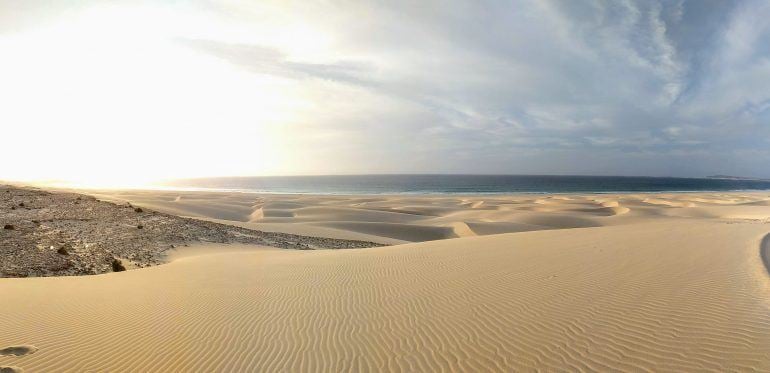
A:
[19,350]
[8,369]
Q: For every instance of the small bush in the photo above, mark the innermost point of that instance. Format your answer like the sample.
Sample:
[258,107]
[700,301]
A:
[139,226]
[138,209]
[9,227]
[117,266]
[62,251]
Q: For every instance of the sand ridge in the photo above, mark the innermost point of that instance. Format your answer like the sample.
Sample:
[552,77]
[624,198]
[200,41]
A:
[661,287]
[566,300]
[393,219]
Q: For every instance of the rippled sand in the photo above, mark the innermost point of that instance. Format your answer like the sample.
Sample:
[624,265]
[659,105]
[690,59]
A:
[660,283]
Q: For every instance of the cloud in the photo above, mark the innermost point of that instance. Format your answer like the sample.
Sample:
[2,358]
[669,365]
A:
[271,61]
[621,87]
[567,74]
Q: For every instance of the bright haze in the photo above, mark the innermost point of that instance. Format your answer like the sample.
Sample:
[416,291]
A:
[128,92]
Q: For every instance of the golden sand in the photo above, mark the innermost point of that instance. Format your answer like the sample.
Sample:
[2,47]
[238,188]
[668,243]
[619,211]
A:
[642,283]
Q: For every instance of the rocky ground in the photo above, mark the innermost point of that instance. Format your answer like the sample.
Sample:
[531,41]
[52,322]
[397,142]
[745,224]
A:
[59,234]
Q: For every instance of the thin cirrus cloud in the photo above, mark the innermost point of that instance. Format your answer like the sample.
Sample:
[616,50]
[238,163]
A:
[591,87]
[633,87]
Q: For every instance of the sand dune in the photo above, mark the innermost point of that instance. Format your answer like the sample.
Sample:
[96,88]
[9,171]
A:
[486,228]
[375,217]
[406,232]
[680,284]
[295,212]
[396,219]
[608,298]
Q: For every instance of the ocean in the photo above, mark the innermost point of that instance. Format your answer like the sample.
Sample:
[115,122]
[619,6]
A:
[464,184]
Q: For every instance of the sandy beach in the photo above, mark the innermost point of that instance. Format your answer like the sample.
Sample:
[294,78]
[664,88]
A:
[385,186]
[642,282]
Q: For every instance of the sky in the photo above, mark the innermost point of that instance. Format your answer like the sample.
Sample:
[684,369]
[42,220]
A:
[128,92]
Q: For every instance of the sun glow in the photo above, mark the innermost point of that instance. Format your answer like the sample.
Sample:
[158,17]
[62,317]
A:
[109,98]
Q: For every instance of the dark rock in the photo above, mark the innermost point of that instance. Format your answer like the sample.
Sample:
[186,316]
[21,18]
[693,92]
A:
[9,227]
[21,204]
[82,240]
[117,266]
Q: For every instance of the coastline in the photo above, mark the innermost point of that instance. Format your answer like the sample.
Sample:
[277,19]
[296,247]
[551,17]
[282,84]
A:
[440,184]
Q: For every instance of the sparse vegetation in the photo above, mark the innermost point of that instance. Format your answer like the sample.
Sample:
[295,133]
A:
[93,233]
[117,266]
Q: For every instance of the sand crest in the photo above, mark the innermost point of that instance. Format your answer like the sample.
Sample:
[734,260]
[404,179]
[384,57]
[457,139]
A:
[640,291]
[403,218]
